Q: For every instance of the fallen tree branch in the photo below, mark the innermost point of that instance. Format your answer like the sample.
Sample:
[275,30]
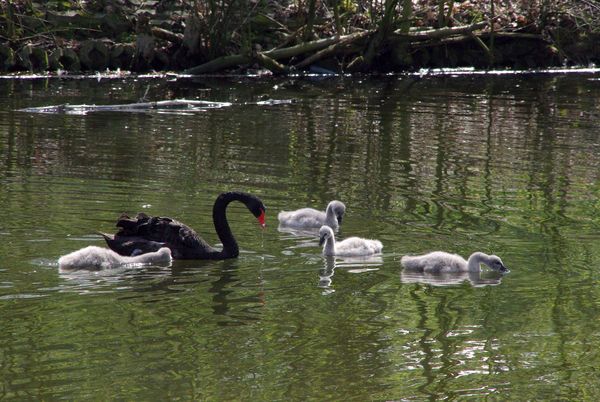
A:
[332,49]
[173,37]
[302,48]
[473,36]
[438,33]
[219,64]
[269,63]
[290,38]
[513,35]
[483,46]
[277,54]
[327,47]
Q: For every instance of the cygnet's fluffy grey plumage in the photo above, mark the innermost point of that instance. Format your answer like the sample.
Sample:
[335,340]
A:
[352,246]
[311,218]
[439,261]
[98,258]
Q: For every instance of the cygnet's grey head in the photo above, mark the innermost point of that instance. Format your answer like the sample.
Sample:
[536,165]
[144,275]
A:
[324,233]
[338,208]
[495,263]
[165,253]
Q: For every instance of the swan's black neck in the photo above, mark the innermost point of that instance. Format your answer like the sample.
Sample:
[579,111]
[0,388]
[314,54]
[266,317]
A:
[230,246]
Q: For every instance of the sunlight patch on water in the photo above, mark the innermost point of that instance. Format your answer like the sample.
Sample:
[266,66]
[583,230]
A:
[471,71]
[22,296]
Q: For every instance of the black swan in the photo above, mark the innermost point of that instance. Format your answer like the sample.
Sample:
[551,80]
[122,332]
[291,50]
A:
[146,233]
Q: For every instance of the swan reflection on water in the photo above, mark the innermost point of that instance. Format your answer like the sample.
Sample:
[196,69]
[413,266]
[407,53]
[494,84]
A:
[477,279]
[353,265]
[294,233]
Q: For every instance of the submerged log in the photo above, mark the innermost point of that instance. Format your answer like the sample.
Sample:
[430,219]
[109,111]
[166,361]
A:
[176,104]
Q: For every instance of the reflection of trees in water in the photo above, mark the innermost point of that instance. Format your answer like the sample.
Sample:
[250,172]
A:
[433,149]
[446,156]
[451,343]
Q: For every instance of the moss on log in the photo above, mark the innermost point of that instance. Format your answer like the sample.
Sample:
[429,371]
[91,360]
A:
[7,55]
[33,58]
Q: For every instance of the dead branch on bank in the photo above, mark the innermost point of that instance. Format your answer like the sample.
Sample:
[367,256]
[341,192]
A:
[167,35]
[481,36]
[332,49]
[225,62]
[440,33]
[327,47]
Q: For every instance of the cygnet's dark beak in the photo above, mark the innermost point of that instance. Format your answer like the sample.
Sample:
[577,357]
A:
[321,240]
[503,269]
[339,219]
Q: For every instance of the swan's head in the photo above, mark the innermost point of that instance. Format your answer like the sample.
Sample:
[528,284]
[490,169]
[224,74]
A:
[495,263]
[256,206]
[325,233]
[338,209]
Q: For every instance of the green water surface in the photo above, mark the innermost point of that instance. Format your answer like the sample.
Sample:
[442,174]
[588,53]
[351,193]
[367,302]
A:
[501,164]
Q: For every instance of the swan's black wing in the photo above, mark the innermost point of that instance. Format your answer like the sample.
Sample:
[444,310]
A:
[183,241]
[131,245]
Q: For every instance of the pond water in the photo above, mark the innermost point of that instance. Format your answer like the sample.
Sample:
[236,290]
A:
[503,164]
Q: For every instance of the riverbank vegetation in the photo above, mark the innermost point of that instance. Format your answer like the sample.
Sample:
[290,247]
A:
[214,36]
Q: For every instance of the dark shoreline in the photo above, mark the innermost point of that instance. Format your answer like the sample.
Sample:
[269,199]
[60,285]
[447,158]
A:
[41,39]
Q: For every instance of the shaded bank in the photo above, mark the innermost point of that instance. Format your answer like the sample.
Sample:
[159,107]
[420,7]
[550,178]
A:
[278,37]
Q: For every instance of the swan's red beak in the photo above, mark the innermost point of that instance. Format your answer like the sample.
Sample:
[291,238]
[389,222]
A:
[261,219]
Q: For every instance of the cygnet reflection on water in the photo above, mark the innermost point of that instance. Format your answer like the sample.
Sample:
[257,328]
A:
[477,279]
[295,233]
[353,265]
